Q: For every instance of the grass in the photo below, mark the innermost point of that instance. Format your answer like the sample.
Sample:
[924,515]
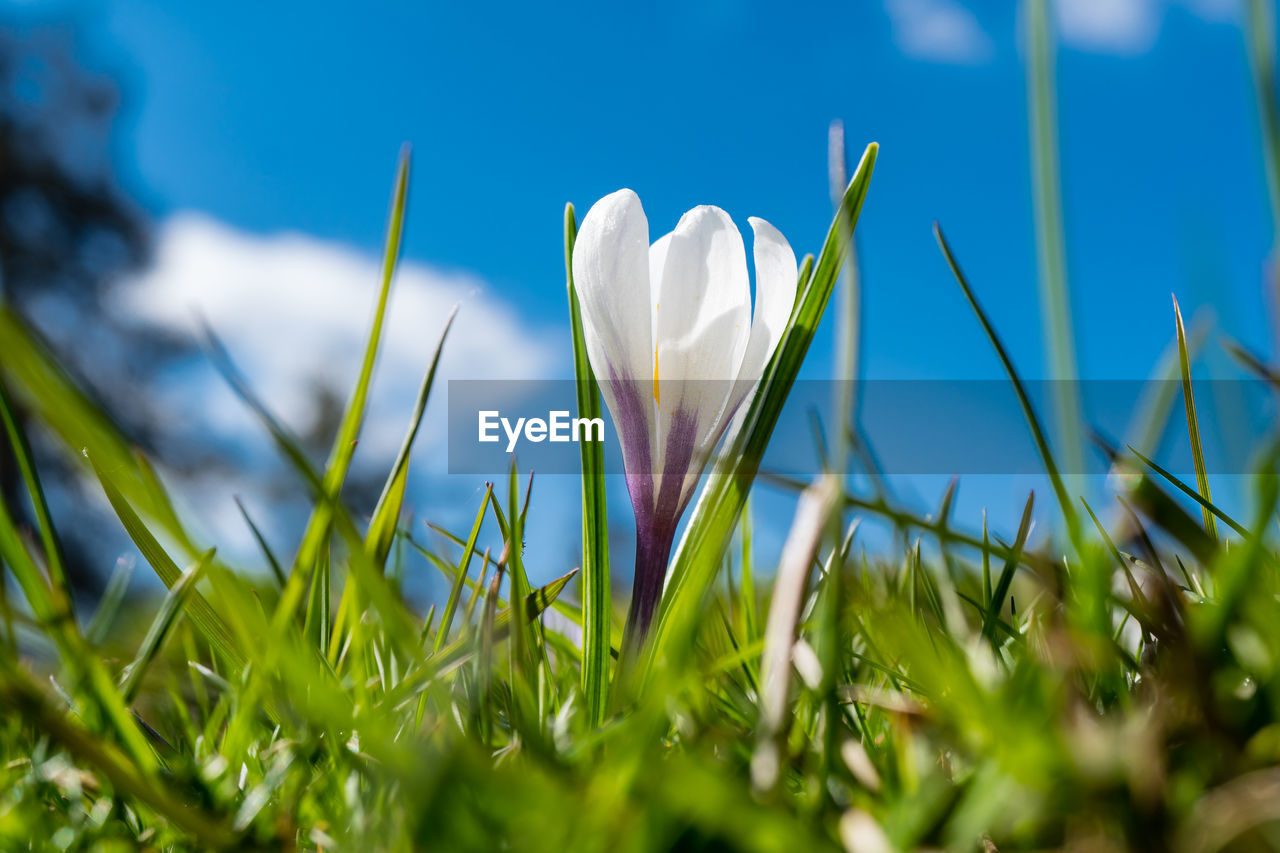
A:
[1106,686]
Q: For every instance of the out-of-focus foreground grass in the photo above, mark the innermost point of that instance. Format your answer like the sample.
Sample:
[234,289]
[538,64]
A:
[1110,685]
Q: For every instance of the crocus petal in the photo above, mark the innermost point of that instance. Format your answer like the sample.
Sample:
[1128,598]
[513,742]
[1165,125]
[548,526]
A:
[702,322]
[777,276]
[611,274]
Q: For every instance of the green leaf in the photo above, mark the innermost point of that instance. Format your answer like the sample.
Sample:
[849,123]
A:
[20,696]
[382,526]
[1206,505]
[77,657]
[597,609]
[1260,35]
[344,445]
[1055,297]
[174,601]
[710,527]
[51,394]
[1193,426]
[201,613]
[522,637]
[1028,412]
[992,614]
[276,571]
[455,590]
[61,585]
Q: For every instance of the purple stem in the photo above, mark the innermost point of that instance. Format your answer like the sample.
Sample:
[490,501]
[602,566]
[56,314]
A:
[653,550]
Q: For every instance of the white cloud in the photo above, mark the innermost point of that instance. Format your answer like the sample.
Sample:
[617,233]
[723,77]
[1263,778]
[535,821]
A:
[1109,26]
[938,31]
[1127,26]
[294,312]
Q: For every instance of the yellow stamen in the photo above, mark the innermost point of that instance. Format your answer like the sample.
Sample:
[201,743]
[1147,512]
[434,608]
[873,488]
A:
[656,398]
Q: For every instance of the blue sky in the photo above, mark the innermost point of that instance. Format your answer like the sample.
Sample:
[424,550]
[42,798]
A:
[283,116]
[286,117]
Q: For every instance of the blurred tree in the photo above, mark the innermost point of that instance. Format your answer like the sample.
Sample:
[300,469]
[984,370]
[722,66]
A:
[67,234]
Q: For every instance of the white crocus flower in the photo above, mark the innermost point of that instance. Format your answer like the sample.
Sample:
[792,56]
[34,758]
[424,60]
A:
[671,337]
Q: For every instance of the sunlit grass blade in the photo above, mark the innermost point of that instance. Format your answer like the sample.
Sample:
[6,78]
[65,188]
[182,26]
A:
[905,519]
[1065,504]
[498,624]
[76,655]
[1055,297]
[535,604]
[1260,35]
[372,584]
[382,526]
[109,605]
[276,570]
[455,590]
[201,613]
[22,697]
[1154,407]
[60,583]
[1005,581]
[750,603]
[1193,426]
[1205,504]
[987,592]
[848,311]
[318,526]
[48,391]
[794,568]
[711,523]
[523,640]
[1255,364]
[315,623]
[174,601]
[597,609]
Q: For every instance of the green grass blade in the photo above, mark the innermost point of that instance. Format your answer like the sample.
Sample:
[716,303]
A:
[318,526]
[987,592]
[50,393]
[711,524]
[1260,37]
[315,624]
[1055,299]
[382,526]
[597,609]
[750,605]
[174,601]
[78,659]
[276,570]
[104,615]
[19,695]
[794,568]
[455,590]
[201,613]
[60,583]
[1033,421]
[522,639]
[1206,505]
[1005,581]
[1254,364]
[499,623]
[848,312]
[1193,426]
